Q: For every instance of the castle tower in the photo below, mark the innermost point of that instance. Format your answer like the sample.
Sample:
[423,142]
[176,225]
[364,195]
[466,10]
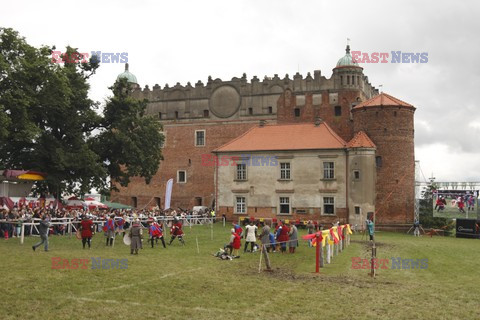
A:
[129,76]
[348,74]
[389,122]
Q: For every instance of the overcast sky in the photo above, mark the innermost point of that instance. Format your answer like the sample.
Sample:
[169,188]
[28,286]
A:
[187,41]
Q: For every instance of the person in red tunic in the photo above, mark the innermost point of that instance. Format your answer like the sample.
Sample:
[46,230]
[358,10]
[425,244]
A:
[176,231]
[282,236]
[86,228]
[156,232]
[235,243]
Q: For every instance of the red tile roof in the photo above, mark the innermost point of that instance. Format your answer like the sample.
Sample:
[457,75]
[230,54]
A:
[361,140]
[383,99]
[305,136]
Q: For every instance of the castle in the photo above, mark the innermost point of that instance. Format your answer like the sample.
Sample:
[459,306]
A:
[198,120]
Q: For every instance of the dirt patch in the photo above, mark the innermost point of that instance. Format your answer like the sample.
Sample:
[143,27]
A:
[322,279]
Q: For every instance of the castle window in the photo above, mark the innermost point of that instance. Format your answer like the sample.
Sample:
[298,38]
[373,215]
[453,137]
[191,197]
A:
[206,113]
[240,205]
[159,115]
[328,205]
[270,110]
[378,161]
[241,171]
[199,138]
[341,80]
[134,202]
[394,113]
[285,171]
[348,80]
[353,79]
[176,114]
[297,112]
[181,176]
[356,174]
[338,111]
[328,170]
[357,210]
[284,205]
[157,202]
[250,111]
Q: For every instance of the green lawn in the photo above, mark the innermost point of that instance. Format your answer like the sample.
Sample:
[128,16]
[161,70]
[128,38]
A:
[179,283]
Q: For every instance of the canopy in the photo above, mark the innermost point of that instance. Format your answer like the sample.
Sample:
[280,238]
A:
[6,202]
[116,205]
[93,204]
[24,174]
[75,203]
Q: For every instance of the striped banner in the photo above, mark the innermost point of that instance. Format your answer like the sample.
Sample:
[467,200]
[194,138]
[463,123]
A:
[168,194]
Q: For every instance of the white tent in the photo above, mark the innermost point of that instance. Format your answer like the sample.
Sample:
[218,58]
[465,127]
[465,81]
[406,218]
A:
[94,204]
[75,203]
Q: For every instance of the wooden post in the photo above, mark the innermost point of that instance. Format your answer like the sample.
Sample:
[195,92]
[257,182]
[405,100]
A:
[328,252]
[372,261]
[322,265]
[23,233]
[317,255]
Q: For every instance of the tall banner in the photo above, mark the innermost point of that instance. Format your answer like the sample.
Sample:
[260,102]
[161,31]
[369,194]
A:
[168,194]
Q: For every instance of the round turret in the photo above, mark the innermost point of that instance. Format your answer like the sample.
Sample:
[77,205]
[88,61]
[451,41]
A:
[389,122]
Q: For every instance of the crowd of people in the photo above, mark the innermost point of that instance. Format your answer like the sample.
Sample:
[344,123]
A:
[49,221]
[274,239]
[257,235]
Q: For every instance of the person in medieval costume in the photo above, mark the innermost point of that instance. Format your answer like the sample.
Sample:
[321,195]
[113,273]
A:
[156,232]
[86,231]
[43,230]
[176,231]
[293,244]
[109,229]
[235,243]
[282,237]
[135,234]
[250,236]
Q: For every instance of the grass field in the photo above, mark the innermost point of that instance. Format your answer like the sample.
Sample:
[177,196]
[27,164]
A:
[179,283]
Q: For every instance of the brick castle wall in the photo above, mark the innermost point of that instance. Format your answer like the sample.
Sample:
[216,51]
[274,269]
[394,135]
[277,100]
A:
[392,130]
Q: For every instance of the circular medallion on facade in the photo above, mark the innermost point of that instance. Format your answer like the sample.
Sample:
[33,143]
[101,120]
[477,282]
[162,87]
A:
[225,101]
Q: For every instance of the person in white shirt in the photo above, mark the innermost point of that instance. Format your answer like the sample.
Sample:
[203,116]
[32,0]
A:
[250,236]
